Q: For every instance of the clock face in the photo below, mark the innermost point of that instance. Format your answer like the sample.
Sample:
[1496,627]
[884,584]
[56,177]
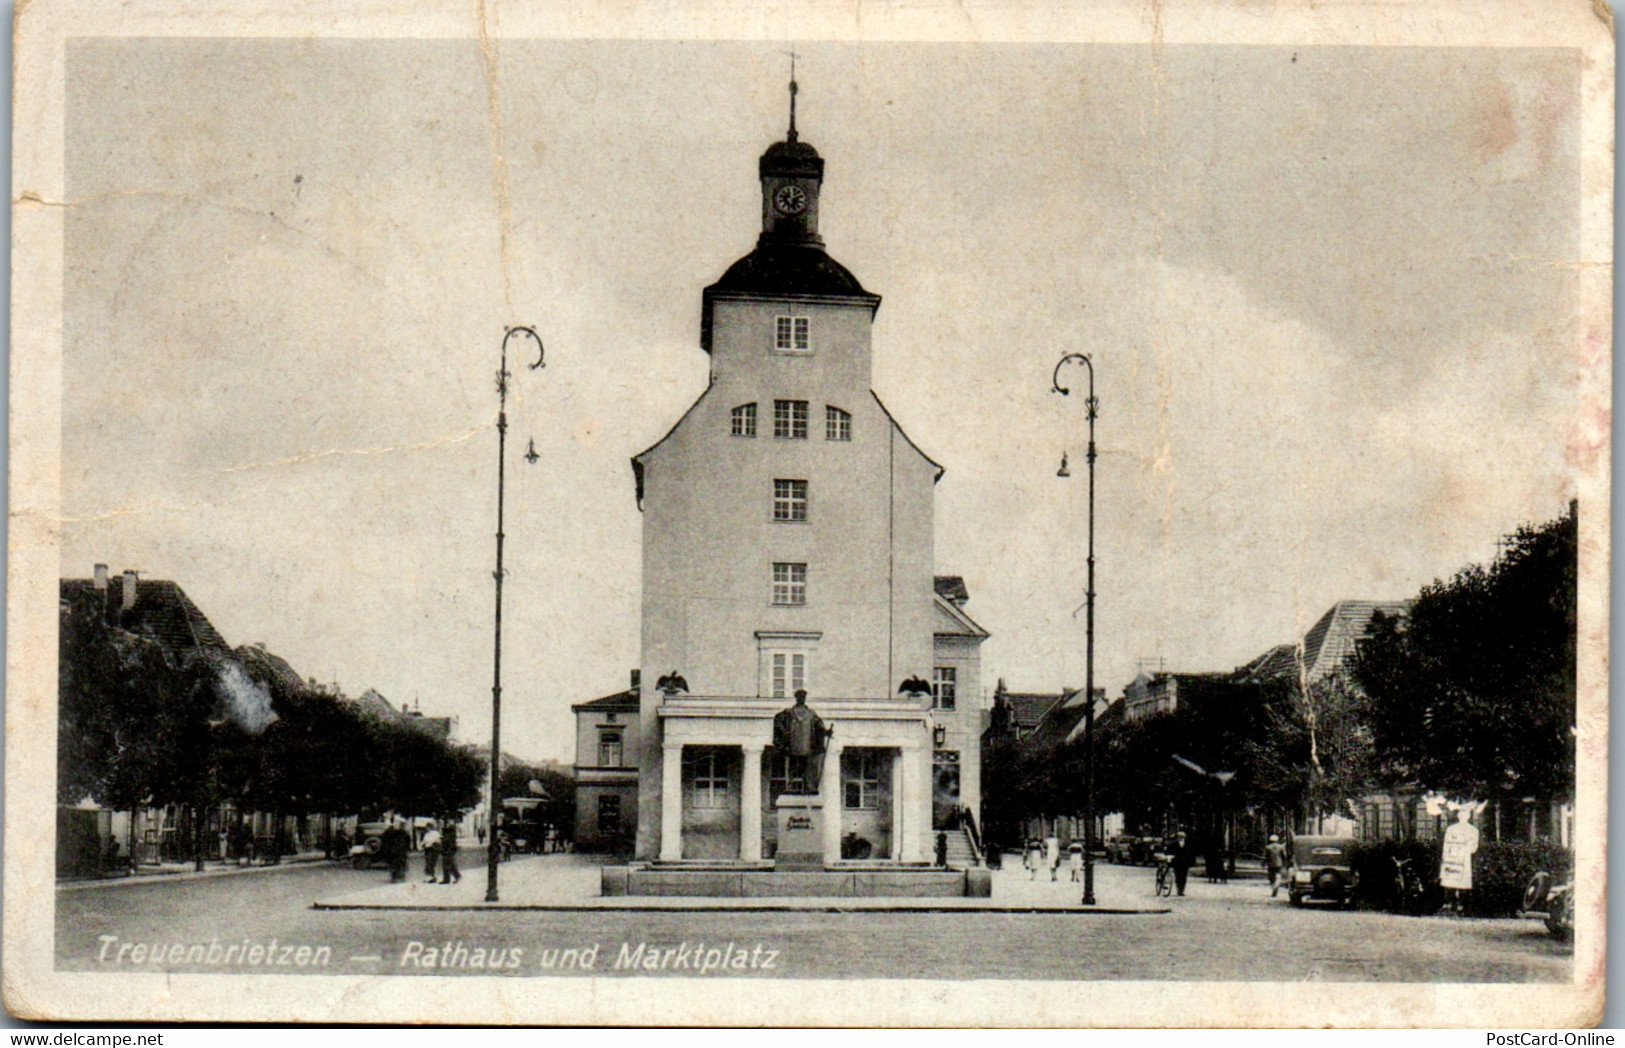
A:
[790,200]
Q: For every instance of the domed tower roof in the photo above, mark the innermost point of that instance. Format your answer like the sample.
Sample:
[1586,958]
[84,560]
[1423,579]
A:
[789,261]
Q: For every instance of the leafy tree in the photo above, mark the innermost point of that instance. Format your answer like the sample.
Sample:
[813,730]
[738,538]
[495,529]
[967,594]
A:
[1474,695]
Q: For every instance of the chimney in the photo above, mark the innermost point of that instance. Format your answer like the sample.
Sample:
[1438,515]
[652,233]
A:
[101,576]
[637,680]
[129,590]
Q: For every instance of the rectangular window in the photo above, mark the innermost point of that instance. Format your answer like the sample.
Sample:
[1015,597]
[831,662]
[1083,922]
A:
[943,683]
[790,419]
[744,420]
[780,779]
[710,780]
[860,770]
[790,584]
[789,673]
[609,749]
[789,500]
[792,334]
[609,814]
[837,423]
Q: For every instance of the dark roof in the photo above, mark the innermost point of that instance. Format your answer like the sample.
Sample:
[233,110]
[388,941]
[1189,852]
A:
[621,700]
[951,588]
[1028,709]
[162,611]
[273,665]
[791,158]
[1279,662]
[790,269]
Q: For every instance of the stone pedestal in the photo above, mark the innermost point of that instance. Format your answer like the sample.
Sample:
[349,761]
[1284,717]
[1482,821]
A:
[801,831]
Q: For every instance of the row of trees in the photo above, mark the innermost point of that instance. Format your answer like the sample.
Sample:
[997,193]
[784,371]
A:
[144,724]
[1471,695]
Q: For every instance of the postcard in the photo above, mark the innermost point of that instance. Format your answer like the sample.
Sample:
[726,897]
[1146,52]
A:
[845,514]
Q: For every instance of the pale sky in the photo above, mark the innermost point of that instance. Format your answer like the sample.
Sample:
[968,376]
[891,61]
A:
[1325,290]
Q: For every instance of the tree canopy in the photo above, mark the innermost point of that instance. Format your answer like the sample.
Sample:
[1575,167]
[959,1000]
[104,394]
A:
[141,723]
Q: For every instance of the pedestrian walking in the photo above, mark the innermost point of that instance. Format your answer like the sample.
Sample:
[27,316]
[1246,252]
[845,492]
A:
[1034,858]
[1052,855]
[449,873]
[1075,860]
[394,844]
[431,854]
[1181,859]
[1274,862]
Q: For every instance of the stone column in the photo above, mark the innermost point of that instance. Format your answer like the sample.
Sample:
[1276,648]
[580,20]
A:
[897,805]
[671,802]
[750,804]
[833,809]
[917,804]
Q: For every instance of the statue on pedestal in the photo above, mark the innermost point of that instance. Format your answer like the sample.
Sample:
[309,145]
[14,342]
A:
[802,735]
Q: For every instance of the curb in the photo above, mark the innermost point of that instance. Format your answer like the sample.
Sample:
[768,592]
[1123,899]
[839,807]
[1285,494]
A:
[737,907]
[288,862]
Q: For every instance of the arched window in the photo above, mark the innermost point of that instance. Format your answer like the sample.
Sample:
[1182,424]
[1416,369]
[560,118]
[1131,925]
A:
[837,423]
[744,420]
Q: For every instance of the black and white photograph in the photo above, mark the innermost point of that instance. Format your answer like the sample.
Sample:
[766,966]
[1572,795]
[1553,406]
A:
[1081,520]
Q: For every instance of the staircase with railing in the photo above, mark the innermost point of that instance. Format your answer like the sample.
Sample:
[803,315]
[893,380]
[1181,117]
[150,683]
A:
[964,842]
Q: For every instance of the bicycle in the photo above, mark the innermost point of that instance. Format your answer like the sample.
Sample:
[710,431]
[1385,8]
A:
[1165,874]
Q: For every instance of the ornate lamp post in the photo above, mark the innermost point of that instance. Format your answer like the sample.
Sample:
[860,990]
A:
[1091,406]
[494,855]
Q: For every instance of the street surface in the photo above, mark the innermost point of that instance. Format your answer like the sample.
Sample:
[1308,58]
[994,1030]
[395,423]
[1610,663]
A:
[263,922]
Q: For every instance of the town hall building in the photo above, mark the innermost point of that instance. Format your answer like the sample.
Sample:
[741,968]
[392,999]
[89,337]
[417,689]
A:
[787,547]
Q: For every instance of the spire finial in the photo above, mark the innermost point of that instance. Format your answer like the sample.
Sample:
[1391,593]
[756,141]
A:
[791,135]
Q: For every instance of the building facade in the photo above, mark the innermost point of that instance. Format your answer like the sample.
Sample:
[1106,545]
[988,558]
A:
[606,770]
[787,537]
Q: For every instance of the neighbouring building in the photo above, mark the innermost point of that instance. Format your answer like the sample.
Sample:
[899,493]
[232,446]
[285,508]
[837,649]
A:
[787,545]
[1016,714]
[1149,694]
[606,770]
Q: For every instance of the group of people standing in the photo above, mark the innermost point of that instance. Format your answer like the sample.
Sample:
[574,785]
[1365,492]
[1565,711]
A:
[1046,855]
[440,848]
[439,851]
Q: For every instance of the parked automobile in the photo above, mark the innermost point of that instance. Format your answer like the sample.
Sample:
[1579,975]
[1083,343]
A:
[368,849]
[1320,869]
[1551,900]
[1122,849]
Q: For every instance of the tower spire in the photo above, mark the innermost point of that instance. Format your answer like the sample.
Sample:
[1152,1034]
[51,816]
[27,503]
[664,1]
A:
[790,136]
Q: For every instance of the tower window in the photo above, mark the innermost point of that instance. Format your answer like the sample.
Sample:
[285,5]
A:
[790,419]
[609,749]
[792,335]
[790,500]
[789,673]
[944,683]
[744,420]
[789,586]
[837,423]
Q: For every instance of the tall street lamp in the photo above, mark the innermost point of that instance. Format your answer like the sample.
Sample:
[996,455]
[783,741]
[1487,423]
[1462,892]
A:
[494,855]
[1091,406]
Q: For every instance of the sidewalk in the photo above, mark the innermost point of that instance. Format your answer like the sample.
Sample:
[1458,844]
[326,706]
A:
[186,871]
[570,882]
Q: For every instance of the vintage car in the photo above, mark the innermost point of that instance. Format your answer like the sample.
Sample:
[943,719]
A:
[1319,869]
[368,849]
[1121,849]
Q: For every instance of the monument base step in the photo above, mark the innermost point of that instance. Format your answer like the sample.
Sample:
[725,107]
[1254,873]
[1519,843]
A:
[757,883]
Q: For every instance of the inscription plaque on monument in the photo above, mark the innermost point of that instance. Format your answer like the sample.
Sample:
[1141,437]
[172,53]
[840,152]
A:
[801,830]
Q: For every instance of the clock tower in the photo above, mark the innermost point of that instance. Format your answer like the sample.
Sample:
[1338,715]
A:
[791,172]
[787,547]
